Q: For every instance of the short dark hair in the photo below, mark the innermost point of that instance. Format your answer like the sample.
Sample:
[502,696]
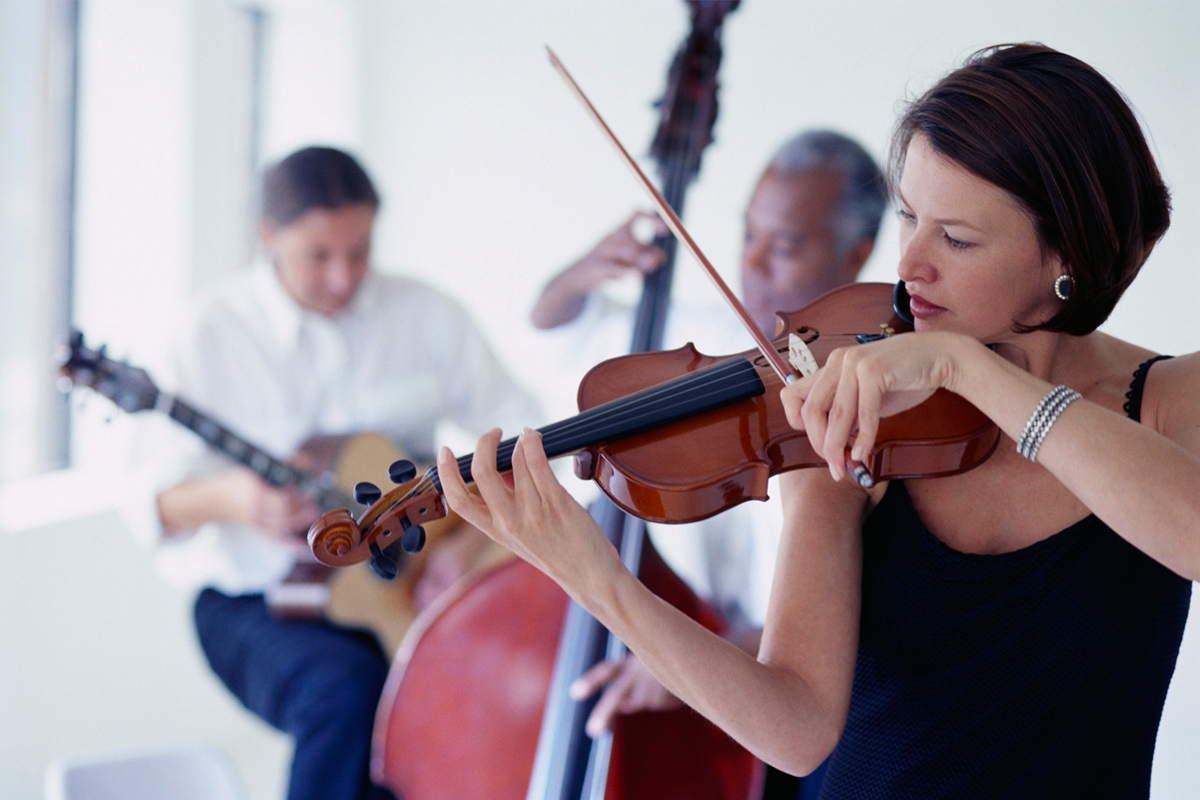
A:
[314,177]
[1063,141]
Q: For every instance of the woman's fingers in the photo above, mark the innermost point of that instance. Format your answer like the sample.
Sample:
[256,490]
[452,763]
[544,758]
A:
[832,406]
[819,401]
[483,468]
[870,397]
[471,508]
[842,420]
[537,465]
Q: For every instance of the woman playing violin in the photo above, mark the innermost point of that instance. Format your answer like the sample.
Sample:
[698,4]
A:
[1008,631]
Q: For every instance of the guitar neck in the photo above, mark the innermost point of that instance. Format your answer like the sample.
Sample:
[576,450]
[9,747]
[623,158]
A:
[266,466]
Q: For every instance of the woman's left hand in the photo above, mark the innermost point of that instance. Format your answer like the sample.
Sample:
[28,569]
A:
[859,385]
[529,512]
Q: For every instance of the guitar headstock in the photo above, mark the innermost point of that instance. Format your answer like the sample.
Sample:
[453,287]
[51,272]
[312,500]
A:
[129,387]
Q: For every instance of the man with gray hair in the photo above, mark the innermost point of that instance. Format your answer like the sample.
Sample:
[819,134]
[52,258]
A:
[810,226]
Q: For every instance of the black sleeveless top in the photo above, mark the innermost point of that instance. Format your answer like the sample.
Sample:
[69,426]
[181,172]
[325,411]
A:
[1036,673]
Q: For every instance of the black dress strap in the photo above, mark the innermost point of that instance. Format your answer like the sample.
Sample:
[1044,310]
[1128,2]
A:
[1133,398]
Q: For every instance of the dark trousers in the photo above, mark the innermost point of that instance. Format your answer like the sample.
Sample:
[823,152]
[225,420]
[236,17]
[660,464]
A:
[314,681]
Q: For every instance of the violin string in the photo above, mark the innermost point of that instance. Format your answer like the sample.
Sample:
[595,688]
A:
[620,413]
[661,399]
[658,399]
[697,387]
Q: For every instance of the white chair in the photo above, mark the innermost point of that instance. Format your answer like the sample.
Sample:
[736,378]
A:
[180,772]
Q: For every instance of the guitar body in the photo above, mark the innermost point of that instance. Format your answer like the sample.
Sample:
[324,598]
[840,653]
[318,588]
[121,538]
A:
[355,597]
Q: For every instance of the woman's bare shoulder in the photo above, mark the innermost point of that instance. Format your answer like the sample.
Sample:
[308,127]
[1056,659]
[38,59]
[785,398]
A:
[1169,401]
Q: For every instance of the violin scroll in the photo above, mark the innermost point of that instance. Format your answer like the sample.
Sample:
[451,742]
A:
[335,538]
[391,526]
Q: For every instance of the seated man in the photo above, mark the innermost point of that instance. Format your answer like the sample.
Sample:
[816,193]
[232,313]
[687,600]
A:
[311,341]
[810,226]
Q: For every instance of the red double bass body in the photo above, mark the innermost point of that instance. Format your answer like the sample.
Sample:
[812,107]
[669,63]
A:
[466,712]
[462,711]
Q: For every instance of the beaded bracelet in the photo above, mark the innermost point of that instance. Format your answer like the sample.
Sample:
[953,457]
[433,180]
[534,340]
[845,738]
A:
[1043,417]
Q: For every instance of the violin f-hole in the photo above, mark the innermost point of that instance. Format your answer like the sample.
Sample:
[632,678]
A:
[807,334]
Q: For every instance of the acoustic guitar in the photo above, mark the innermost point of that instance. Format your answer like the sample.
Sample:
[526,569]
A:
[324,469]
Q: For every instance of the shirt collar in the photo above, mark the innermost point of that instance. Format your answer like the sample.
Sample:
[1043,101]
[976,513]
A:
[285,318]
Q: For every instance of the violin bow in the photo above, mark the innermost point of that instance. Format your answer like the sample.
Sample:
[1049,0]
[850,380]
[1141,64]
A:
[673,222]
[781,367]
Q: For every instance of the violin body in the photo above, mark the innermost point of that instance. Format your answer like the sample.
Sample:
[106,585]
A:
[699,466]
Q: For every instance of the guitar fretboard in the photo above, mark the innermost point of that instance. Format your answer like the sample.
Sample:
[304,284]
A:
[266,466]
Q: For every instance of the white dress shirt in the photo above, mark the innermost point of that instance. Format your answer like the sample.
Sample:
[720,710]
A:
[400,360]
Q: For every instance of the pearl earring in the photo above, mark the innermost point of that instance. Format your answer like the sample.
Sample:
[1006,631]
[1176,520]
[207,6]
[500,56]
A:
[1064,286]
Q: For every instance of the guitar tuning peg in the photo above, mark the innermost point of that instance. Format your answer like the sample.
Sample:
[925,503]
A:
[413,538]
[402,471]
[366,493]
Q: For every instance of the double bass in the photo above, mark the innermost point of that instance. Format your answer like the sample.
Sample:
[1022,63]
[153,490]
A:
[477,704]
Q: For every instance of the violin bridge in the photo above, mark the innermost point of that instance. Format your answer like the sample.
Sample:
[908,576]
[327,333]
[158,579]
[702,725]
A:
[800,357]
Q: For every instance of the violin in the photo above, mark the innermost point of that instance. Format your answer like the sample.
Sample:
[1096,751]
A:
[678,436]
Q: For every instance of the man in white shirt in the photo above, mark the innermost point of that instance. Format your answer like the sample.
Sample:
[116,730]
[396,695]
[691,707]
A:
[810,226]
[313,342]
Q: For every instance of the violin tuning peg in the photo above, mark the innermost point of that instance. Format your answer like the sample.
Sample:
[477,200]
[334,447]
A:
[366,493]
[413,538]
[383,564]
[402,471]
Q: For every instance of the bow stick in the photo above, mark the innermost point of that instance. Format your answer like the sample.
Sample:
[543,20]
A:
[673,222]
[856,469]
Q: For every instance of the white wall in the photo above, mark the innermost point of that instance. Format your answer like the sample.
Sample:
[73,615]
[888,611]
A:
[492,179]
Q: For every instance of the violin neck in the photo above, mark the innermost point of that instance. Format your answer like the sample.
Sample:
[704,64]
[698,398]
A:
[726,382]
